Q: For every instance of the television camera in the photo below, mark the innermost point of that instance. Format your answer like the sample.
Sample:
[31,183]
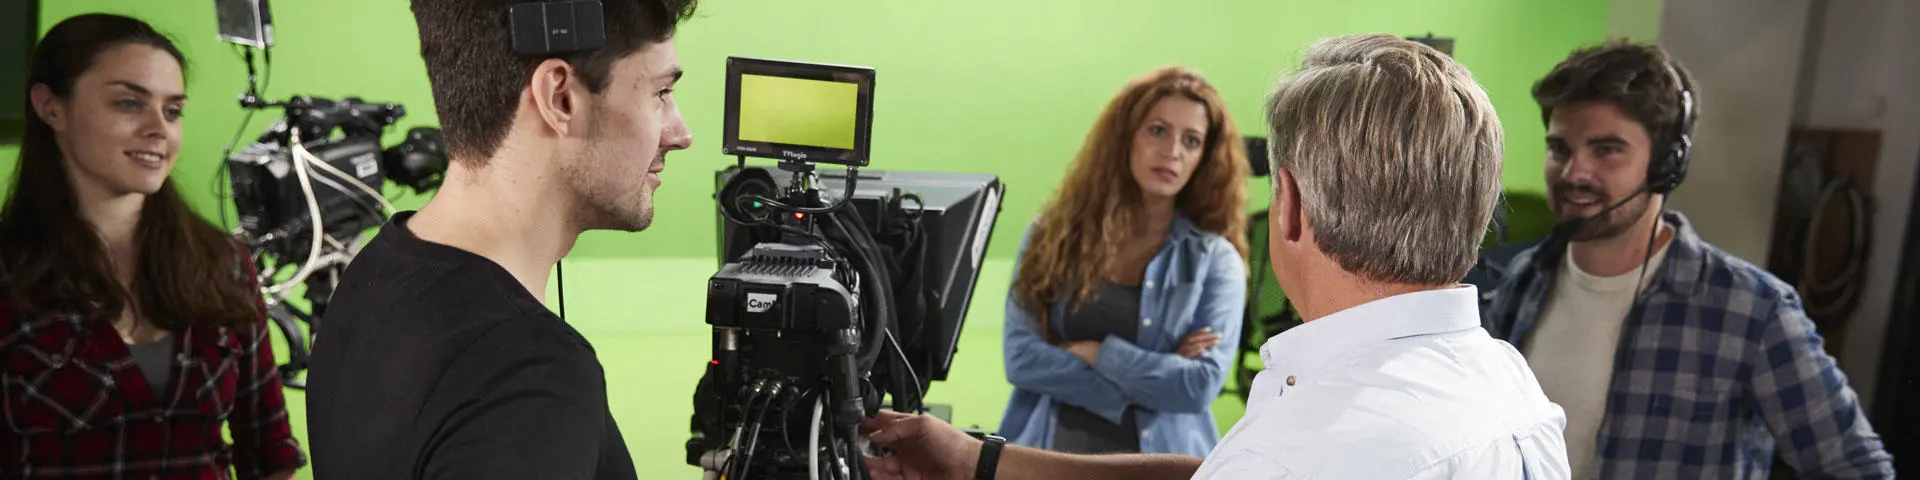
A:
[308,190]
[835,290]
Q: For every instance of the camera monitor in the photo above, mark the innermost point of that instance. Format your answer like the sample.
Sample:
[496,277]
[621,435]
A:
[793,111]
[245,22]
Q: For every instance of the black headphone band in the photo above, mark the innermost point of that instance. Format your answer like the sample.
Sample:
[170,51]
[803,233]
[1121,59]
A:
[557,27]
[1669,166]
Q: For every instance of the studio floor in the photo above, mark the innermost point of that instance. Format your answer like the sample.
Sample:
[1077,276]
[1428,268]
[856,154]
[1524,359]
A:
[645,318]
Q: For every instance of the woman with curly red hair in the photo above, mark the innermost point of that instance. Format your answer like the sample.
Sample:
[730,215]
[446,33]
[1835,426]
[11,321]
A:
[1127,296]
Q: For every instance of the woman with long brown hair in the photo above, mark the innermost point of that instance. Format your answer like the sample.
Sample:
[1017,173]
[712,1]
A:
[130,328]
[1127,296]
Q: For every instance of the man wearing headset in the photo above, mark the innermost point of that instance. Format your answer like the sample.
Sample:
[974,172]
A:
[438,357]
[1672,358]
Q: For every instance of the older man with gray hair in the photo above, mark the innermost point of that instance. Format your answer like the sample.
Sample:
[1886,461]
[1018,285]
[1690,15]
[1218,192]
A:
[1386,161]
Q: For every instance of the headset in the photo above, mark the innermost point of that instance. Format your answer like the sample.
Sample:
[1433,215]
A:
[554,27]
[1666,172]
[1666,169]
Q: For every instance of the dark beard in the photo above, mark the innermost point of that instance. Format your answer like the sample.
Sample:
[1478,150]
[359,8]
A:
[1615,223]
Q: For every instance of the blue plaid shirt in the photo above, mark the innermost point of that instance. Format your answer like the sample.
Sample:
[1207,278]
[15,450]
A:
[1716,364]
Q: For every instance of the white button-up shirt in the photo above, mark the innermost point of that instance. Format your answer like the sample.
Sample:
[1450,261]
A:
[1406,387]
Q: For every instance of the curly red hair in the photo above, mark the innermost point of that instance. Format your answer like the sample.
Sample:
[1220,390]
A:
[1096,207]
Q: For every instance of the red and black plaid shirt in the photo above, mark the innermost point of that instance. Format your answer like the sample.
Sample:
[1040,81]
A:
[76,406]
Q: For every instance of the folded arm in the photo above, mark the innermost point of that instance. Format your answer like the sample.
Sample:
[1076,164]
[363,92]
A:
[1035,365]
[1168,382]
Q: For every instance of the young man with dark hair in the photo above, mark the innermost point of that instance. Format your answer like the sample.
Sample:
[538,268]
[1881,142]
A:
[437,357]
[1714,364]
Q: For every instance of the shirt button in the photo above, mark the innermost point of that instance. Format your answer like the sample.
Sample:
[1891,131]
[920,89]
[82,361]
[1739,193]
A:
[181,357]
[59,360]
[159,418]
[1145,433]
[1146,322]
[1289,380]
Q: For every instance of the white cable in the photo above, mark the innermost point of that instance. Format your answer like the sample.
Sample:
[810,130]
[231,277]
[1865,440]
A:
[813,439]
[301,275]
[350,180]
[353,247]
[919,401]
[328,182]
[299,158]
[1844,284]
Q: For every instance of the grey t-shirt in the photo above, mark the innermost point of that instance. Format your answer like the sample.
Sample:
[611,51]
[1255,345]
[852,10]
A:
[155,360]
[1115,311]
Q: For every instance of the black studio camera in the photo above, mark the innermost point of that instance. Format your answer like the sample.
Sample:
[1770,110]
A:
[836,292]
[309,189]
[343,178]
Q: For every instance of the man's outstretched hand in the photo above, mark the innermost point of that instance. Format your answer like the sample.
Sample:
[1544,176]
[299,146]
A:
[924,447]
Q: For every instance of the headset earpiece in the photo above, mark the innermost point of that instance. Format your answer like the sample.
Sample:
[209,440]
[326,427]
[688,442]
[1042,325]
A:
[1669,168]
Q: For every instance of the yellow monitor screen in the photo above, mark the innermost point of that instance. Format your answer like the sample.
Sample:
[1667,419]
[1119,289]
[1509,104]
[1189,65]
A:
[795,111]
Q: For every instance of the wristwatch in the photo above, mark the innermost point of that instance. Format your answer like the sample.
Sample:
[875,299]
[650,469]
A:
[989,463]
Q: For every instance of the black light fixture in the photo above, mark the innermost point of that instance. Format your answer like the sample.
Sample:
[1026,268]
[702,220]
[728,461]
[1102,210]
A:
[1257,155]
[1443,44]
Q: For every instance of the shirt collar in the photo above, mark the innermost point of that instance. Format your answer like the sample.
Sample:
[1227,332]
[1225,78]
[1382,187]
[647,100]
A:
[1684,269]
[1306,348]
[1182,229]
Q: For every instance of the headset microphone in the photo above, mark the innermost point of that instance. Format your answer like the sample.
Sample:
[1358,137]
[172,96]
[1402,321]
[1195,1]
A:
[1564,230]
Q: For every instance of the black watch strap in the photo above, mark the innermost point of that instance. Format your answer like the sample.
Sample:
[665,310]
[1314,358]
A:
[989,457]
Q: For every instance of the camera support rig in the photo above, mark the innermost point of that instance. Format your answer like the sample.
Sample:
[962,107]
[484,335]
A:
[787,304]
[306,198]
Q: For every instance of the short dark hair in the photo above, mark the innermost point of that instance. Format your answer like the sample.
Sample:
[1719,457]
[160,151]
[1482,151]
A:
[477,78]
[1633,76]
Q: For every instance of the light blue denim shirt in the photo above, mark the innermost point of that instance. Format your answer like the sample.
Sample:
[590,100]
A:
[1198,280]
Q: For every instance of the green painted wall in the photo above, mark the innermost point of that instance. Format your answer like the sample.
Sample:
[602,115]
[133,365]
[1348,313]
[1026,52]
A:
[1008,87]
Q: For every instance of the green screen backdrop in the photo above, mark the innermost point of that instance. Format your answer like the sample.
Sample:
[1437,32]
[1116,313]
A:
[1006,87]
[1000,86]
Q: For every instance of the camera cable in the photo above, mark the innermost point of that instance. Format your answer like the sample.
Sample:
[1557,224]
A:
[221,174]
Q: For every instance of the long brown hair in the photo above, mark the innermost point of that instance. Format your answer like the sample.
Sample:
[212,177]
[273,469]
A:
[189,272]
[1095,208]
